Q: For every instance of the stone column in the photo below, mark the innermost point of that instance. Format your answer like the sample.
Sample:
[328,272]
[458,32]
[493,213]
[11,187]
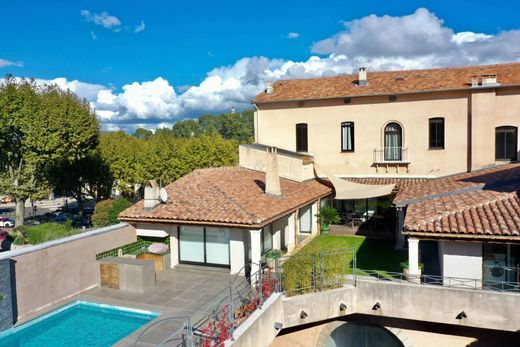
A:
[256,249]
[237,250]
[277,234]
[413,256]
[174,245]
[291,232]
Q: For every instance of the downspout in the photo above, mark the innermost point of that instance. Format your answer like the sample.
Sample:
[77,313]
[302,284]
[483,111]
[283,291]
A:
[256,122]
[469,152]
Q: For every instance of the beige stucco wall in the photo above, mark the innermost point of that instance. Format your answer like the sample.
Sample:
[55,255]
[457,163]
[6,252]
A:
[490,108]
[48,275]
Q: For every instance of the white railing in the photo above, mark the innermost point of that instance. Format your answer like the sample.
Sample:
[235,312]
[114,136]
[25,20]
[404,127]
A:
[391,155]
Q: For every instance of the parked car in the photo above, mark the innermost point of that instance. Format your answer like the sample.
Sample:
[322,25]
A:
[6,199]
[7,222]
[65,216]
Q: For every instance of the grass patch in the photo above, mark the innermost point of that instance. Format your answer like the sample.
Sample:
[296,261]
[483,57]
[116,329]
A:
[44,232]
[371,254]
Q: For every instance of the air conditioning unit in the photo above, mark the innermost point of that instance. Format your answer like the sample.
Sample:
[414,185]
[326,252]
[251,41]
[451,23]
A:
[495,270]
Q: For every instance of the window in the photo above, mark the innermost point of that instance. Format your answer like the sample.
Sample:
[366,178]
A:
[347,137]
[393,142]
[301,137]
[506,138]
[267,238]
[306,219]
[436,133]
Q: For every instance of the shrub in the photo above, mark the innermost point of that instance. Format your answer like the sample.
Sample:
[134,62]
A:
[106,211]
[273,254]
[328,215]
[42,233]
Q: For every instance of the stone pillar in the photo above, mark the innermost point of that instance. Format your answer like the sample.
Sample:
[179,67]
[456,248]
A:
[277,234]
[314,211]
[256,249]
[6,297]
[291,232]
[413,256]
[237,250]
[174,245]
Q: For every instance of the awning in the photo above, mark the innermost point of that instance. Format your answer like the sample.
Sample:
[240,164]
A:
[346,190]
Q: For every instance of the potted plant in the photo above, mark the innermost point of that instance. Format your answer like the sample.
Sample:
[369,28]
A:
[328,216]
[406,270]
[270,257]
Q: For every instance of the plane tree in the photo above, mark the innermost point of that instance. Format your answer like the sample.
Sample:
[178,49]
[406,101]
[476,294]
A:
[39,127]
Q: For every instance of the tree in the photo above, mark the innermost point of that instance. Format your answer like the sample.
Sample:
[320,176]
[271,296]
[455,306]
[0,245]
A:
[82,178]
[142,133]
[39,126]
[186,128]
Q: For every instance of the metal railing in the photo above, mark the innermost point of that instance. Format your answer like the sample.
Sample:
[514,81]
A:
[391,155]
[215,321]
[444,281]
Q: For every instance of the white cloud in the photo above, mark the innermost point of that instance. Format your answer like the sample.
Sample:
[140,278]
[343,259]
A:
[93,35]
[292,35]
[103,19]
[5,62]
[418,40]
[140,27]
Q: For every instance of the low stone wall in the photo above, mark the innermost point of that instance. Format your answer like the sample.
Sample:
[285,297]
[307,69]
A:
[258,329]
[6,300]
[46,273]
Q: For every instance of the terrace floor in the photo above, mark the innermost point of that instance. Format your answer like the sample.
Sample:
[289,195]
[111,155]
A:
[178,292]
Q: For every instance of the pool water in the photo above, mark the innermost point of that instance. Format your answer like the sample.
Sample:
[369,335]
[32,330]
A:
[79,324]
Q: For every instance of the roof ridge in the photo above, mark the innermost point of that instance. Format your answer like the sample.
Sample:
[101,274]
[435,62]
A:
[502,197]
[354,74]
[254,217]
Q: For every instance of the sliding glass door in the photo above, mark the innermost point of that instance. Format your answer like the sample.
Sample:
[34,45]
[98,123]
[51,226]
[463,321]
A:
[206,246]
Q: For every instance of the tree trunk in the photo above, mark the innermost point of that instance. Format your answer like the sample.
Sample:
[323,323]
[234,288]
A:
[20,211]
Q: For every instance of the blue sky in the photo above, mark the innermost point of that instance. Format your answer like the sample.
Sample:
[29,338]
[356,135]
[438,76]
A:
[151,63]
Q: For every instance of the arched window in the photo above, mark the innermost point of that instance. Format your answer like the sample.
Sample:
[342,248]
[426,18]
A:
[506,139]
[301,137]
[393,142]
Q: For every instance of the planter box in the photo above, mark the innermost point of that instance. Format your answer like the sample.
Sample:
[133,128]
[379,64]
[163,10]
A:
[412,278]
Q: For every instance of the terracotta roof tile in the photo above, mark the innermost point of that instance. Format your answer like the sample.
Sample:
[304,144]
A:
[491,211]
[226,196]
[388,82]
[400,183]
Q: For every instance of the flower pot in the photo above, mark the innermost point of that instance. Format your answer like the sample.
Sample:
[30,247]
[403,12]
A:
[415,278]
[325,228]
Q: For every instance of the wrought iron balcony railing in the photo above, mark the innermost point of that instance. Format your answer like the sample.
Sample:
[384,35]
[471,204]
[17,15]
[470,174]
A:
[390,155]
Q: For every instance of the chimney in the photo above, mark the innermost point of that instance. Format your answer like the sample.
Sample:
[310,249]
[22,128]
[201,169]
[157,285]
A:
[151,195]
[269,87]
[362,76]
[272,177]
[474,81]
[489,80]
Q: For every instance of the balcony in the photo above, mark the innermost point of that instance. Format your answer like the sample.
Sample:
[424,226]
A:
[391,156]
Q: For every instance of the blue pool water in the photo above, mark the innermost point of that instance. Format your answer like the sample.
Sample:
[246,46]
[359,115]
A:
[78,324]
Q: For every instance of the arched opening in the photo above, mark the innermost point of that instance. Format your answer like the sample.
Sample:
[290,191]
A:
[354,334]
[393,141]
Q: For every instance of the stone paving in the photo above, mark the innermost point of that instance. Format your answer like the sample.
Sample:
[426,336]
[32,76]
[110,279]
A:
[181,291]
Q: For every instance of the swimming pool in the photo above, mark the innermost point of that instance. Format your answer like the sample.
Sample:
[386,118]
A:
[79,323]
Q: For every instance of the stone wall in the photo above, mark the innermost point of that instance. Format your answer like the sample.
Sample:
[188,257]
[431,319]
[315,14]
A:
[6,300]
[50,272]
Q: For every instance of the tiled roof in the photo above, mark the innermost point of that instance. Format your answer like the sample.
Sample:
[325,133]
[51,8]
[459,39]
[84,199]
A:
[226,196]
[508,173]
[388,82]
[399,182]
[481,204]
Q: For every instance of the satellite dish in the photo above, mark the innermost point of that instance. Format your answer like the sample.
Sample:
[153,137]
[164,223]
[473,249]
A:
[163,195]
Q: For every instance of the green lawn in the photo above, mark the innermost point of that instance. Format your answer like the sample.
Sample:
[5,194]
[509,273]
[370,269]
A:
[371,254]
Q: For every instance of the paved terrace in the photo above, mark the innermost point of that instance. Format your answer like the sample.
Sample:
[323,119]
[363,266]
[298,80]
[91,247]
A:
[178,292]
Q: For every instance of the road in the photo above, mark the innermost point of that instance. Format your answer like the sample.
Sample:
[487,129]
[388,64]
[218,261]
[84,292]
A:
[42,207]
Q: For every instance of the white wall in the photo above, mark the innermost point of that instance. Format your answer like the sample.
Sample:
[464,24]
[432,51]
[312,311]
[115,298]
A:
[461,259]
[237,252]
[152,230]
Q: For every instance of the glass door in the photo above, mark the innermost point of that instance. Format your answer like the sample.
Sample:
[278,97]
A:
[217,246]
[306,219]
[393,142]
[191,244]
